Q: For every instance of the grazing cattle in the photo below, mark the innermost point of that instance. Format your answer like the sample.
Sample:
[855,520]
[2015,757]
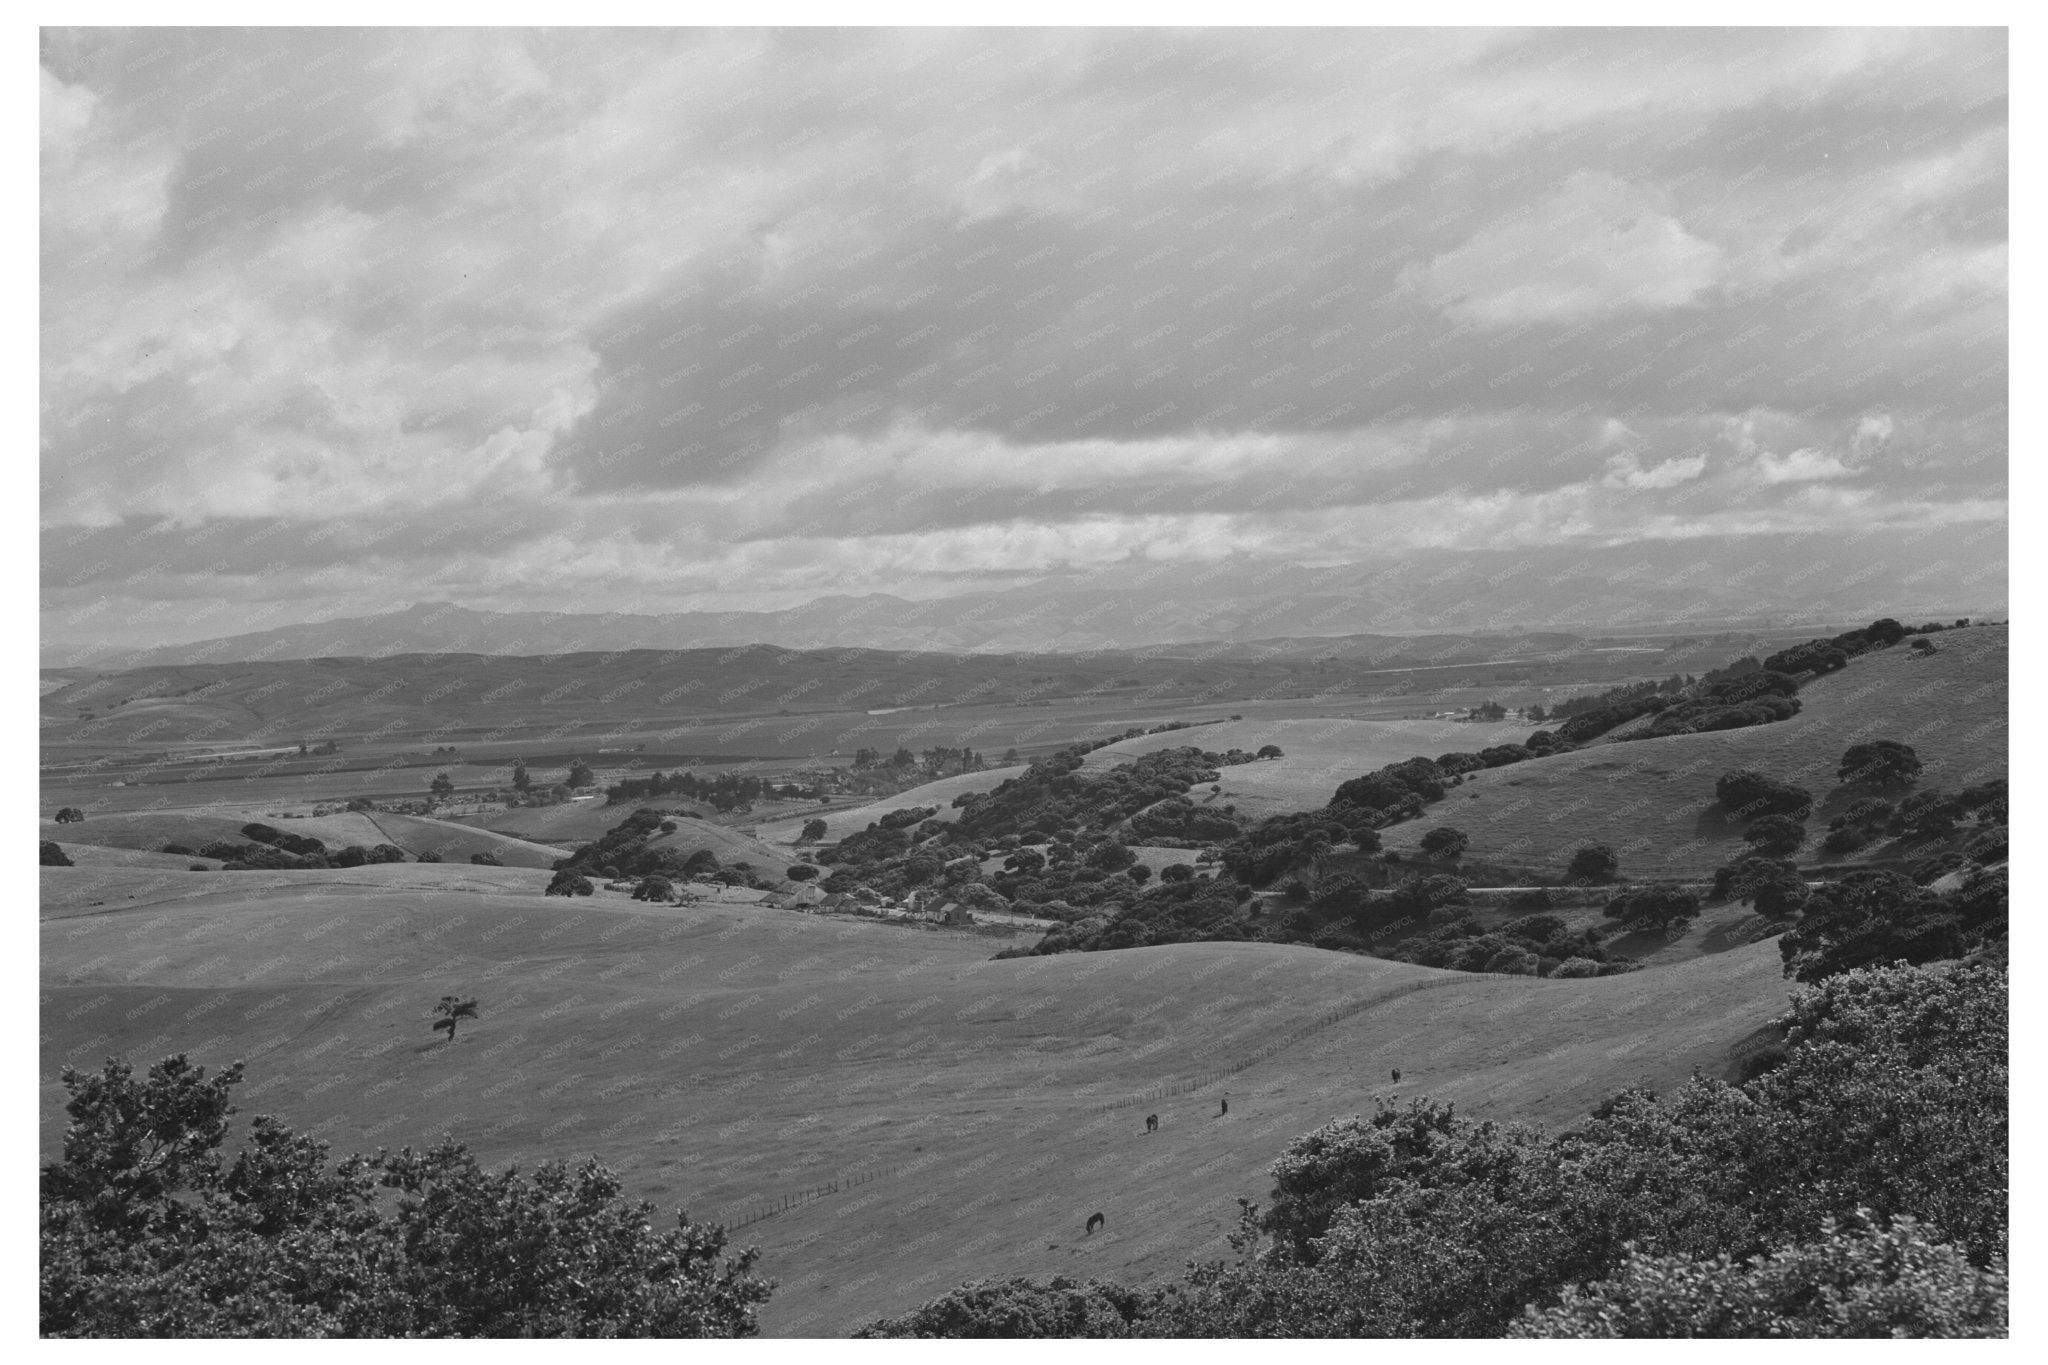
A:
[1151,1123]
[1094,1222]
[1397,1075]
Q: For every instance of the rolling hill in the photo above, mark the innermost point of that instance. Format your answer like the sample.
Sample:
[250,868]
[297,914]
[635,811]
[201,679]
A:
[1570,587]
[964,1115]
[1653,799]
[148,831]
[1316,755]
[938,794]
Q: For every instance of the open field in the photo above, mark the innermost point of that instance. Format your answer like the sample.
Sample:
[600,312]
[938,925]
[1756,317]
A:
[1653,799]
[722,1057]
[1317,754]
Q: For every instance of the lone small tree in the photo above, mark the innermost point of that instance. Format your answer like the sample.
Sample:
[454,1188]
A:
[814,830]
[521,780]
[1445,843]
[442,785]
[1879,763]
[569,882]
[1271,751]
[451,1009]
[580,775]
[1593,863]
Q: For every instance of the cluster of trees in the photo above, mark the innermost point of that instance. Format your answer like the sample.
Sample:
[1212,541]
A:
[149,1228]
[69,815]
[1856,1187]
[1732,702]
[1636,691]
[1182,908]
[1827,656]
[1085,822]
[1875,916]
[273,850]
[1528,945]
[724,792]
[627,850]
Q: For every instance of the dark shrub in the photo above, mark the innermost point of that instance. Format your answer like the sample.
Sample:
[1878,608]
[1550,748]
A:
[1593,863]
[567,883]
[1652,907]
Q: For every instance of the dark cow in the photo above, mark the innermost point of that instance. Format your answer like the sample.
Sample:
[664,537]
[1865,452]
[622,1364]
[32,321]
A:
[1151,1123]
[1094,1222]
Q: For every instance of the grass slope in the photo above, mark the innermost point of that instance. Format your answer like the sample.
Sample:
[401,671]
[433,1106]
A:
[1653,799]
[151,830]
[723,1056]
[572,822]
[416,834]
[839,824]
[1318,755]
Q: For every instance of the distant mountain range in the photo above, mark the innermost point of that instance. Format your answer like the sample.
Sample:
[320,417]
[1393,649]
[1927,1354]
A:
[1721,583]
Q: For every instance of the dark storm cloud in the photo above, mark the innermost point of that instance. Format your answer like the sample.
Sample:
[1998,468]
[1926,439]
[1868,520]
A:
[723,316]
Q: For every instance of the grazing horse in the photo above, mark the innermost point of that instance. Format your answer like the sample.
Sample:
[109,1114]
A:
[1094,1222]
[1151,1123]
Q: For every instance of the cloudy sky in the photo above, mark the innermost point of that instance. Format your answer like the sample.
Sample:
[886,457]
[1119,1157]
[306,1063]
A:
[334,321]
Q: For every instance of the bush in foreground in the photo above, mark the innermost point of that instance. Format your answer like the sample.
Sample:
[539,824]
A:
[1881,1281]
[149,1231]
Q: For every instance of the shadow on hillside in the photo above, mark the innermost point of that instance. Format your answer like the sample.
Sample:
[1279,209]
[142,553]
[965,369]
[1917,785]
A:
[1641,944]
[1735,933]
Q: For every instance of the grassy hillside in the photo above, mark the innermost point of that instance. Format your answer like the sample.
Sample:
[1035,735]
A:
[728,844]
[1653,799]
[572,822]
[722,1057]
[839,824]
[455,843]
[151,830]
[148,831]
[1318,755]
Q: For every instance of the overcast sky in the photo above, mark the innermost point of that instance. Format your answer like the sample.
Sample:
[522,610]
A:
[334,321]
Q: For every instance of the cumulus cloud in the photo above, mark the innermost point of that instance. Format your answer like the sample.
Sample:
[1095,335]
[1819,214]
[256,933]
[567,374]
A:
[1624,471]
[1800,466]
[1596,247]
[732,314]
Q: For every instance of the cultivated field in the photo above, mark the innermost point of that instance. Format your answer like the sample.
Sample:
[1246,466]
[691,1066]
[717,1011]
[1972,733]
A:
[726,1057]
[1653,799]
